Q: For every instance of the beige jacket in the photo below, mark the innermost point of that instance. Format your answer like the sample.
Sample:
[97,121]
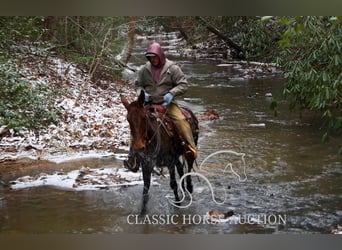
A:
[172,80]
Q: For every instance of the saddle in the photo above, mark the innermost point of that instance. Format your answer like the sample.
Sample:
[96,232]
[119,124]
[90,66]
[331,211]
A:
[159,112]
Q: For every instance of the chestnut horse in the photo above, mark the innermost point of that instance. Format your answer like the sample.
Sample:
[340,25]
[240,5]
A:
[155,145]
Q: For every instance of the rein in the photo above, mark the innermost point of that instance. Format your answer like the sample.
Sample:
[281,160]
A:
[149,124]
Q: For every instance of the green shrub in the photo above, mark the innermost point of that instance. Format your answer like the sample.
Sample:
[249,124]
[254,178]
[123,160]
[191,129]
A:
[312,57]
[24,105]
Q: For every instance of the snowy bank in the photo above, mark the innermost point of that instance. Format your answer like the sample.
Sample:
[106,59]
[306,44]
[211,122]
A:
[83,179]
[93,120]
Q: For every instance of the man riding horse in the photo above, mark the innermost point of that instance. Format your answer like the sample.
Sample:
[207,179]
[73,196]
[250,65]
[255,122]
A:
[162,80]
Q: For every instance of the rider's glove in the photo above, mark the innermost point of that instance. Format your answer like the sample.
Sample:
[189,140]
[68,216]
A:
[167,99]
[147,97]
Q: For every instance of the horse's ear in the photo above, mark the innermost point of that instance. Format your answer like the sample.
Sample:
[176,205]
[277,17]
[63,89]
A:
[141,98]
[124,101]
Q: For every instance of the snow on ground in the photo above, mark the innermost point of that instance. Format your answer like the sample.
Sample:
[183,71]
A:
[96,123]
[62,158]
[82,179]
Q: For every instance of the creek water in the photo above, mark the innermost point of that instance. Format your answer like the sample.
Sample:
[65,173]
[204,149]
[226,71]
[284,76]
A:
[290,183]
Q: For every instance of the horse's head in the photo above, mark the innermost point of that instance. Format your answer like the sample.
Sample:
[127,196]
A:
[136,117]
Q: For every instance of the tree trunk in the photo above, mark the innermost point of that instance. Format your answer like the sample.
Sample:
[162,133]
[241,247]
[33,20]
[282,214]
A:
[48,23]
[236,47]
[178,24]
[130,35]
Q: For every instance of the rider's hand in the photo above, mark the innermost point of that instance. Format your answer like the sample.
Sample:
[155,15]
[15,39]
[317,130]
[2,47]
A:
[147,97]
[167,99]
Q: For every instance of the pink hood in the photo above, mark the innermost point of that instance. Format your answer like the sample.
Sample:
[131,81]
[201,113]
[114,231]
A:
[156,49]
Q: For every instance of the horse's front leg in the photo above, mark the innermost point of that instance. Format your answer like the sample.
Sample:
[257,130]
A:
[180,170]
[173,182]
[189,185]
[146,171]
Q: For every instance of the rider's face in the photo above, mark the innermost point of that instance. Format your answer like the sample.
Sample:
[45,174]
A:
[154,60]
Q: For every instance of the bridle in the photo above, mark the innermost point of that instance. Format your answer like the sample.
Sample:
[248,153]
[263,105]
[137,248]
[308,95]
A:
[150,115]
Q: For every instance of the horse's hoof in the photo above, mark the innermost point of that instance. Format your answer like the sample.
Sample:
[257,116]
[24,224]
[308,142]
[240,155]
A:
[190,189]
[130,167]
[177,203]
[143,212]
[228,214]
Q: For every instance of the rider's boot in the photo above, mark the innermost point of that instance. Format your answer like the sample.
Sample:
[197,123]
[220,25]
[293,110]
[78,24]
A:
[190,153]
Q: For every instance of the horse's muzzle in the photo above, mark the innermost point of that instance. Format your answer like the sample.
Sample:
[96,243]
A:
[139,146]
